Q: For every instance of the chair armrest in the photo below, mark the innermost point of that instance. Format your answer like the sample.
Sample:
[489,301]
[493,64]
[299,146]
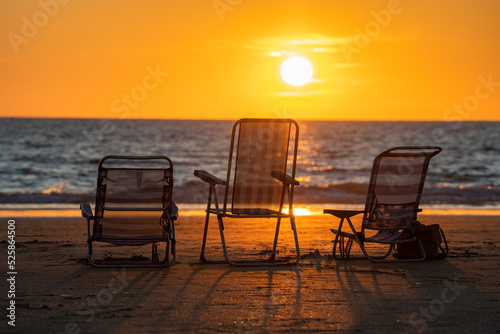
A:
[208,178]
[285,178]
[343,213]
[86,210]
[174,211]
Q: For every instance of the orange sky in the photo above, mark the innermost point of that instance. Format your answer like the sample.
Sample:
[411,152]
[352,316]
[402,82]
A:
[381,60]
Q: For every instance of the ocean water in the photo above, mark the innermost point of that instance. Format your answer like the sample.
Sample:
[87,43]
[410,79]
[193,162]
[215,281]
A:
[54,161]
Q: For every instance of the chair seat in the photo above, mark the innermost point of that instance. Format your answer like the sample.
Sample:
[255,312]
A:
[129,227]
[383,236]
[138,242]
[390,237]
[252,213]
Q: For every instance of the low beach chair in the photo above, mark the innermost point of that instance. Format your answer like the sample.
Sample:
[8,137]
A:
[133,207]
[392,203]
[256,182]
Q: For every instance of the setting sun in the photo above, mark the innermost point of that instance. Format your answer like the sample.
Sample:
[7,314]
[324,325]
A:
[296,71]
[319,60]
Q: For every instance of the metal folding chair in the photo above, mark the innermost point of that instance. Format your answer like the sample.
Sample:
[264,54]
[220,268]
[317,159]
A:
[133,207]
[257,182]
[392,203]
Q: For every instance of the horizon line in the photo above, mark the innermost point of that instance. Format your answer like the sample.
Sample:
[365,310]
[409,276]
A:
[234,119]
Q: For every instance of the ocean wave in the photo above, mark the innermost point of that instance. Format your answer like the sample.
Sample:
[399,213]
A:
[41,198]
[351,193]
[55,160]
[348,193]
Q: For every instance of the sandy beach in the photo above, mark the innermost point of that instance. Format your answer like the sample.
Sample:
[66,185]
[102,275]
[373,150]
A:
[56,291]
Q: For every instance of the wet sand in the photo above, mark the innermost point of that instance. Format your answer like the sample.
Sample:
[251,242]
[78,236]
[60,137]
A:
[56,291]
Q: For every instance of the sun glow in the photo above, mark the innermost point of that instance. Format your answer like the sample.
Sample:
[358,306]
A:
[296,71]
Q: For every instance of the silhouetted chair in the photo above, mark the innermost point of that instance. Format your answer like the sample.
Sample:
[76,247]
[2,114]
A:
[392,203]
[133,207]
[257,182]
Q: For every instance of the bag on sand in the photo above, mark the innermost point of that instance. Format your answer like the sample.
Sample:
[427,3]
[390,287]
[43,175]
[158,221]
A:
[431,237]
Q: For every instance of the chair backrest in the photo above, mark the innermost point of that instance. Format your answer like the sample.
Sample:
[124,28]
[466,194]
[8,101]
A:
[127,183]
[396,185]
[260,149]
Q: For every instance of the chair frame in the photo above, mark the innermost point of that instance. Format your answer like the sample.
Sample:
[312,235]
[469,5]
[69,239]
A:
[288,183]
[169,214]
[344,240]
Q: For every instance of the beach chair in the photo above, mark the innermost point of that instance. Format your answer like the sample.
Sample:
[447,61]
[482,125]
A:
[133,207]
[392,203]
[257,182]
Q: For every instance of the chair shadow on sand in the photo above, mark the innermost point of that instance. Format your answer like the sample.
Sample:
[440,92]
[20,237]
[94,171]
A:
[319,294]
[347,297]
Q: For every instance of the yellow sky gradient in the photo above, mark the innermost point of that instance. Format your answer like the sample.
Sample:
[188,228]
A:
[220,59]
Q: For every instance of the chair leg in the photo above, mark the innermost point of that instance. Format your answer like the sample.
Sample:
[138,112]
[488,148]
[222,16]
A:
[273,254]
[167,251]
[89,251]
[154,256]
[89,244]
[204,243]
[391,248]
[267,262]
[422,250]
[172,242]
[382,259]
[336,242]
[205,231]
[345,247]
[154,253]
[223,240]
[360,243]
[297,248]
